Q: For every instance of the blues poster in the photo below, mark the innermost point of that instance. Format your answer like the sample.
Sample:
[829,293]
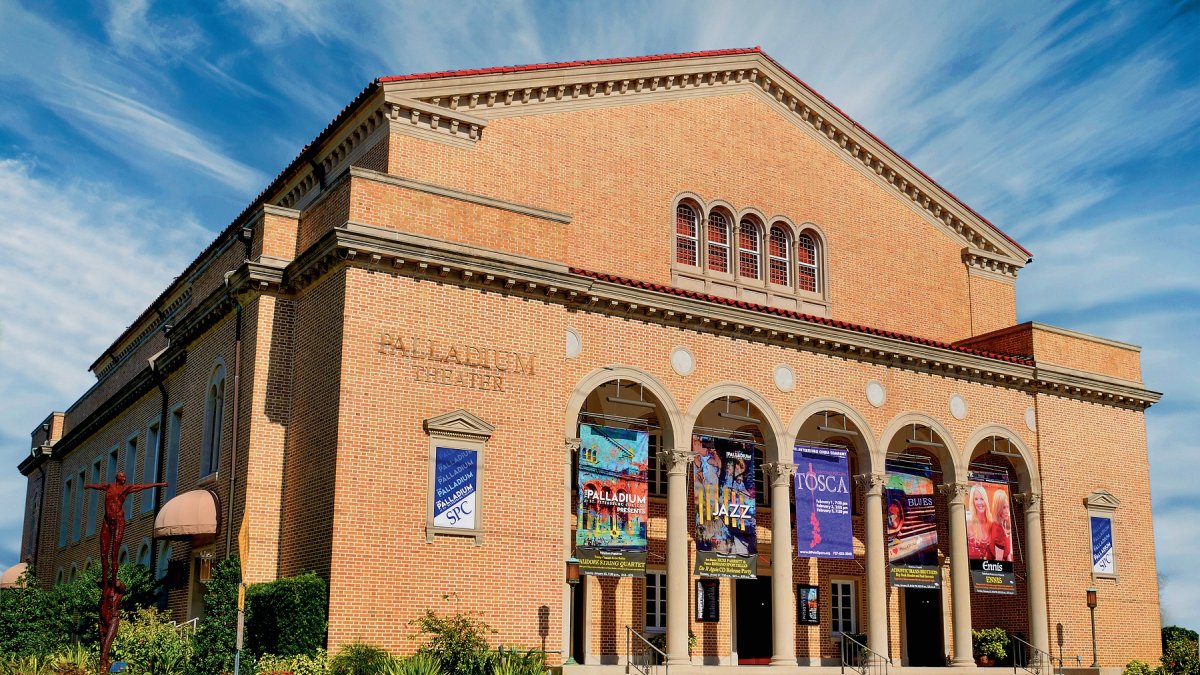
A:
[990,534]
[1102,545]
[723,483]
[455,488]
[911,527]
[610,539]
[823,524]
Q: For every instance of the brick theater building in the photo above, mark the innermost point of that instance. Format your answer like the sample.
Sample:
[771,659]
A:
[468,274]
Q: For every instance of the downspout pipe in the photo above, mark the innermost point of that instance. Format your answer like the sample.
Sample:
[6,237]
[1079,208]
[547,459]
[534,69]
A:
[159,466]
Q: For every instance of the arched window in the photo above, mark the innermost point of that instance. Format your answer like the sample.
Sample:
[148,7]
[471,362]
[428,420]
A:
[165,552]
[123,556]
[718,242]
[214,418]
[74,574]
[749,245]
[808,269]
[777,251]
[58,577]
[143,556]
[687,226]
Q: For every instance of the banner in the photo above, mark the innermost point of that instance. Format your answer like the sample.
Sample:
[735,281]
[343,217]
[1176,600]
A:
[990,533]
[823,525]
[912,527]
[723,482]
[610,540]
[455,488]
[1102,545]
[808,612]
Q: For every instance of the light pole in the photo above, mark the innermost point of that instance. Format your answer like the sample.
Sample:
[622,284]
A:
[573,580]
[1091,603]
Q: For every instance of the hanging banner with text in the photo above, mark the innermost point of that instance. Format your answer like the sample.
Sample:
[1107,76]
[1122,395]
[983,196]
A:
[990,533]
[823,525]
[610,539]
[1102,545]
[455,488]
[911,527]
[723,482]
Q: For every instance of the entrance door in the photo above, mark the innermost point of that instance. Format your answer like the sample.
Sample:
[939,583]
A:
[753,621]
[923,627]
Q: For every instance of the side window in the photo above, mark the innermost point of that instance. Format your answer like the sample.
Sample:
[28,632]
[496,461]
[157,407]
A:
[808,267]
[173,434]
[656,602]
[841,607]
[687,225]
[657,470]
[64,514]
[780,260]
[214,420]
[150,466]
[749,250]
[131,464]
[718,242]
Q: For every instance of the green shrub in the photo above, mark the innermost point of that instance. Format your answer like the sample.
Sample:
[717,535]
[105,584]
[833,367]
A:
[1136,667]
[315,664]
[151,645]
[457,641]
[990,642]
[1179,651]
[513,662]
[31,624]
[358,658]
[216,638]
[417,664]
[286,617]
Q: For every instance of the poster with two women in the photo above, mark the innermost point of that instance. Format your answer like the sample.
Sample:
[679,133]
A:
[990,535]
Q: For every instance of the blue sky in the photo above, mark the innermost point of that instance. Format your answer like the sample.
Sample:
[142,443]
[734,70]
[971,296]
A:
[131,132]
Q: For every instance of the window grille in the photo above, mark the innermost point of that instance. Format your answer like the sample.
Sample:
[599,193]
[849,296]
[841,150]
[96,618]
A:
[656,602]
[686,235]
[808,269]
[778,252]
[841,607]
[718,242]
[748,250]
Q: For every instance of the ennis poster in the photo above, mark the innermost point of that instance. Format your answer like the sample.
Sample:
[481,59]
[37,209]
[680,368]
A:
[613,468]
[823,525]
[723,482]
[911,527]
[990,536]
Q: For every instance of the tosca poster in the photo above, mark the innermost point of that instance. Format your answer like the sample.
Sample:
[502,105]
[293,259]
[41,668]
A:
[1102,545]
[911,527]
[823,525]
[610,539]
[990,536]
[455,488]
[723,482]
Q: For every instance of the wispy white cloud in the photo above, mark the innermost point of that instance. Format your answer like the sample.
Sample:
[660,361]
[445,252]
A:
[131,30]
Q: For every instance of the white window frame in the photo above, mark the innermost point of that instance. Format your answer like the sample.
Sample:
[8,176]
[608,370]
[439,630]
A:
[784,262]
[722,250]
[150,463]
[659,612]
[174,437]
[1102,504]
[747,253]
[814,267]
[694,238]
[836,614]
[214,421]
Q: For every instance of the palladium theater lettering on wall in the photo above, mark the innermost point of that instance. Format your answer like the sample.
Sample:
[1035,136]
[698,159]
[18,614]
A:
[676,320]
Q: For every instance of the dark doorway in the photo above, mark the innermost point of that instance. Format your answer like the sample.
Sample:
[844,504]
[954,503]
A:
[923,627]
[753,621]
[578,616]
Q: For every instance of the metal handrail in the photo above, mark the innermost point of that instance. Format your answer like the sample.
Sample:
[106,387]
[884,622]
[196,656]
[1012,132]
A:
[183,627]
[861,658]
[647,658]
[1029,658]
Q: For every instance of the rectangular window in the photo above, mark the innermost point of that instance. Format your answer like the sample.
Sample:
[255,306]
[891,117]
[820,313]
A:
[64,515]
[111,474]
[656,602]
[77,516]
[657,470]
[173,433]
[842,607]
[93,499]
[150,467]
[131,462]
[762,495]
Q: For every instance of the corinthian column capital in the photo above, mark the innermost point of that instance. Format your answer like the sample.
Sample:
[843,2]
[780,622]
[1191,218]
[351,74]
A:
[675,460]
[779,472]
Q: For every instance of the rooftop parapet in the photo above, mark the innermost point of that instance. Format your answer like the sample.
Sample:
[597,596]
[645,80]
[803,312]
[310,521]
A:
[1057,348]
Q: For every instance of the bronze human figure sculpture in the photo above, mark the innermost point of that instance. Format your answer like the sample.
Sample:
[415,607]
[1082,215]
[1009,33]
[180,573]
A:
[112,532]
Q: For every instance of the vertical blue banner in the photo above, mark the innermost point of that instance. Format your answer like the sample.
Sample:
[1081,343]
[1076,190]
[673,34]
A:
[455,488]
[824,528]
[1102,545]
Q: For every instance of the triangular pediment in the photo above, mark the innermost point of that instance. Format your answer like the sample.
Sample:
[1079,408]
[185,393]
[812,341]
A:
[457,106]
[459,424]
[1103,500]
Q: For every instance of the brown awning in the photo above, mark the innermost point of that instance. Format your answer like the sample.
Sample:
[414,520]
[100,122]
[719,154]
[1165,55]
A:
[12,575]
[191,514]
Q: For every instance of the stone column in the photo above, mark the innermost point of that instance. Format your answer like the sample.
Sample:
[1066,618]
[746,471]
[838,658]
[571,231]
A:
[783,610]
[1035,570]
[877,611]
[960,573]
[678,576]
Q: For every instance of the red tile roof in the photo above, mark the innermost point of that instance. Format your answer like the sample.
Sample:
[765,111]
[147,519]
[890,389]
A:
[741,304]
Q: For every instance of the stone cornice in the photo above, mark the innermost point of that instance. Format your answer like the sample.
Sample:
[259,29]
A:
[460,195]
[426,257]
[429,120]
[530,92]
[990,264]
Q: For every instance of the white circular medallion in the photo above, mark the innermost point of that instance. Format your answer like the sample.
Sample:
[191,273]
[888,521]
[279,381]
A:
[682,361]
[876,393]
[785,377]
[574,343]
[1031,419]
[958,407]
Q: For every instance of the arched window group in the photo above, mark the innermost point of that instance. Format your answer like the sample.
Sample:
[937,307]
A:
[750,251]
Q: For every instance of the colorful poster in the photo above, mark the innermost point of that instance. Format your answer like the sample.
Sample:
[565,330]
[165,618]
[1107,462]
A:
[455,488]
[610,540]
[990,536]
[723,482]
[823,524]
[807,605]
[1103,561]
[911,527]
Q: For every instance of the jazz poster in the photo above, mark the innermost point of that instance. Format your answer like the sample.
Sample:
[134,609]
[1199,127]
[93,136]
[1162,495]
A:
[823,524]
[1102,545]
[723,483]
[455,488]
[610,540]
[911,527]
[990,533]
